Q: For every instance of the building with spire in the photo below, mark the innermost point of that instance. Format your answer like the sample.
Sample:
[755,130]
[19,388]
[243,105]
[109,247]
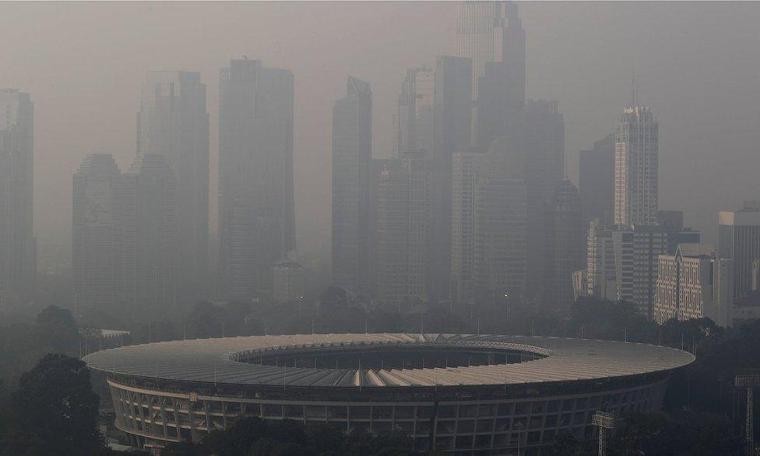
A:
[636,168]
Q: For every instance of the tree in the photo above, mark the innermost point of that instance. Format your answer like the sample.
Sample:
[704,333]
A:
[58,331]
[55,410]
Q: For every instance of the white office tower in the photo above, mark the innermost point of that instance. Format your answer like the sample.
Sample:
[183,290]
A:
[693,283]
[637,252]
[256,208]
[96,234]
[351,158]
[601,279]
[636,163]
[739,240]
[173,122]
[17,244]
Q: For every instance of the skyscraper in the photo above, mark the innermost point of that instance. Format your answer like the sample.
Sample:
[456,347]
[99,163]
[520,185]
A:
[465,171]
[496,46]
[739,240]
[402,227]
[415,112]
[637,252]
[542,137]
[96,234]
[173,122]
[351,157]
[17,242]
[499,91]
[489,225]
[452,111]
[500,234]
[597,181]
[149,238]
[479,35]
[567,225]
[256,208]
[636,164]
[513,55]
[601,274]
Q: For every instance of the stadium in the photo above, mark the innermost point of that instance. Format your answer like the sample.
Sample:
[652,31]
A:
[460,394]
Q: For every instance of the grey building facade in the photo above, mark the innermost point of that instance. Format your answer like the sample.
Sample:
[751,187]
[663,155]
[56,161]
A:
[351,158]
[173,121]
[18,255]
[256,202]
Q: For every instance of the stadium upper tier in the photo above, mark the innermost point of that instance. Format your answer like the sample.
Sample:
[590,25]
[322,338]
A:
[386,360]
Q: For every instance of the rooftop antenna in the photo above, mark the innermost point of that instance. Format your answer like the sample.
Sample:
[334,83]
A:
[634,90]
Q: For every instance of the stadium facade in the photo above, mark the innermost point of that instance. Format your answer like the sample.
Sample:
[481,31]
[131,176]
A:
[461,394]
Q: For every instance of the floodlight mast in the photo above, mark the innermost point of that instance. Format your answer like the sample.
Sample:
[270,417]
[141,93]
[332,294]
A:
[604,421]
[748,381]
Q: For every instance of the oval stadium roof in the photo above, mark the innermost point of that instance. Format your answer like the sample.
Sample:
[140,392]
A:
[214,361]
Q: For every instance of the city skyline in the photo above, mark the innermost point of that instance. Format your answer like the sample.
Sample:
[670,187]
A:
[59,149]
[497,227]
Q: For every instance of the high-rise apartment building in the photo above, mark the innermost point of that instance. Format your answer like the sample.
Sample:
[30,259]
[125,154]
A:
[636,165]
[256,206]
[567,243]
[17,243]
[739,240]
[351,158]
[452,113]
[96,234]
[173,122]
[597,181]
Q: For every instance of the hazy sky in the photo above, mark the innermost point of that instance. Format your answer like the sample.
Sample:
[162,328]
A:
[697,65]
